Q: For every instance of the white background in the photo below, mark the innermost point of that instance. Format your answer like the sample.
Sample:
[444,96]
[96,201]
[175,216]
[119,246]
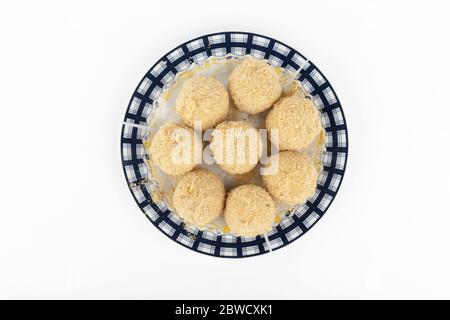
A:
[69,227]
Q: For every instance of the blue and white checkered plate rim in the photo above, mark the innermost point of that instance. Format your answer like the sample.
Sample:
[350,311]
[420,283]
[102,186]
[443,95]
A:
[303,217]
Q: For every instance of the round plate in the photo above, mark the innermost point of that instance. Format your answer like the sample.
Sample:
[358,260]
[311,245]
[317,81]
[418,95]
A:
[300,219]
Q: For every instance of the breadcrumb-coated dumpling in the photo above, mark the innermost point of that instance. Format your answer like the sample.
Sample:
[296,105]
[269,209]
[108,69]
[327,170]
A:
[296,179]
[171,139]
[199,197]
[242,134]
[249,211]
[254,86]
[202,99]
[297,121]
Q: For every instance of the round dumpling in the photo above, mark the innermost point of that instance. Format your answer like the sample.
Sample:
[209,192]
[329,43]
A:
[173,149]
[295,180]
[297,121]
[236,146]
[202,99]
[249,211]
[254,86]
[199,197]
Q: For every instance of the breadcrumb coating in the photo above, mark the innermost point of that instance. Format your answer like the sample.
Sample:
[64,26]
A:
[167,140]
[296,179]
[202,99]
[249,211]
[242,160]
[297,120]
[254,86]
[199,197]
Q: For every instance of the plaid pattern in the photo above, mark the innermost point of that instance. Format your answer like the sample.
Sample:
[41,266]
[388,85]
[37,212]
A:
[239,37]
[300,61]
[219,52]
[328,139]
[250,250]
[163,73]
[258,54]
[127,153]
[199,57]
[341,139]
[206,248]
[281,48]
[143,87]
[194,45]
[155,93]
[314,196]
[300,210]
[319,104]
[209,235]
[150,213]
[261,41]
[286,222]
[228,252]
[166,228]
[134,106]
[175,55]
[156,70]
[186,240]
[308,87]
[331,98]
[216,39]
[335,182]
[338,117]
[146,110]
[228,238]
[175,219]
[275,243]
[311,219]
[275,61]
[325,120]
[239,51]
[318,79]
[294,234]
[168,78]
[183,65]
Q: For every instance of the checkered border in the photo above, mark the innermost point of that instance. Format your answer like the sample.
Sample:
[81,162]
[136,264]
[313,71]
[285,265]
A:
[300,219]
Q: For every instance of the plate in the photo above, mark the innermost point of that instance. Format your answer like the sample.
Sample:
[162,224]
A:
[194,52]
